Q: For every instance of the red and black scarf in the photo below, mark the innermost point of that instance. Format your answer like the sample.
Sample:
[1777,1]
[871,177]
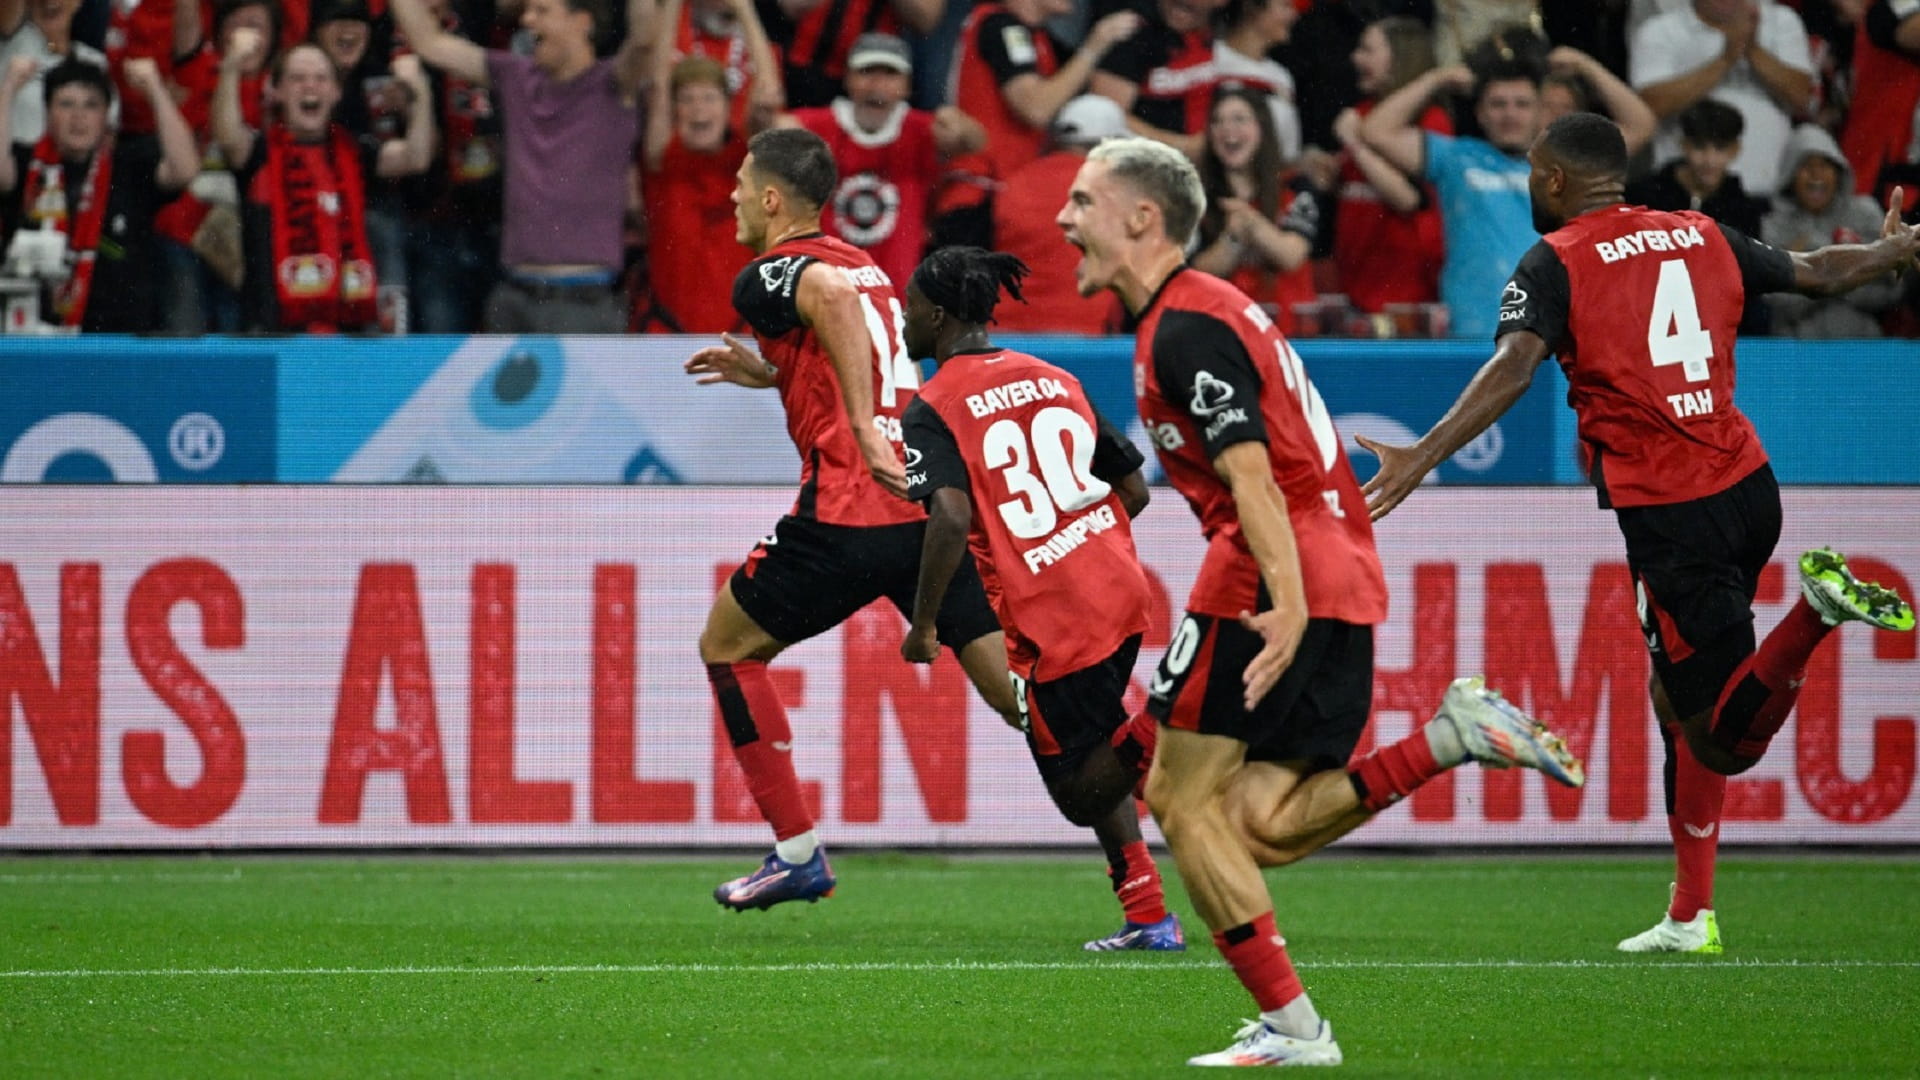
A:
[46,208]
[322,266]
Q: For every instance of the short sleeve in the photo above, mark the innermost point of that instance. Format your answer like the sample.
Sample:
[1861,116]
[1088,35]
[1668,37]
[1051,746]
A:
[1204,369]
[1763,267]
[1007,46]
[1537,298]
[1114,455]
[766,294]
[933,455]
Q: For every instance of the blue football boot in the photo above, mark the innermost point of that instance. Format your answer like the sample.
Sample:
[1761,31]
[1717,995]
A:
[777,882]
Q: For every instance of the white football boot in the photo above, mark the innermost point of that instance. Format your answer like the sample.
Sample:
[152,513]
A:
[1259,1044]
[1700,934]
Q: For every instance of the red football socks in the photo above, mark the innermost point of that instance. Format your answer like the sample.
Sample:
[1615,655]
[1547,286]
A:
[1258,957]
[1391,773]
[1693,820]
[762,743]
[1136,883]
[1762,690]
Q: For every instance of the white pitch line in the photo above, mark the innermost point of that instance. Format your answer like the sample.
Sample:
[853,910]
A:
[932,966]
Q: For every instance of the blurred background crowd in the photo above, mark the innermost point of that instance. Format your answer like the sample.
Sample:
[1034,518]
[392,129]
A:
[452,166]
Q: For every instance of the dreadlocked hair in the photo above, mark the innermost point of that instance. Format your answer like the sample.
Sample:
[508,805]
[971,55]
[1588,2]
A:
[966,281]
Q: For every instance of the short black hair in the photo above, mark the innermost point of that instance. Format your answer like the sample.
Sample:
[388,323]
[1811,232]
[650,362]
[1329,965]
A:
[965,282]
[1711,123]
[1589,142]
[799,160]
[73,70]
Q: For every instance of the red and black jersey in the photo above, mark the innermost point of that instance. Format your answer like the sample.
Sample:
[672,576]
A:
[1211,370]
[1174,71]
[1050,536]
[887,178]
[817,42]
[1642,307]
[995,49]
[1385,257]
[835,486]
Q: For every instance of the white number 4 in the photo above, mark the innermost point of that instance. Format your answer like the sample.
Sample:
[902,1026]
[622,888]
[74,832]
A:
[1674,335]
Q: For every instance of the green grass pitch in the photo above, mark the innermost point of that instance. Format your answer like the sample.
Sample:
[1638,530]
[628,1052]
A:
[929,966]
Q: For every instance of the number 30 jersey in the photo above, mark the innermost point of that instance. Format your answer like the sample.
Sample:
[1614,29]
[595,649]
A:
[1210,370]
[1049,534]
[835,486]
[1641,307]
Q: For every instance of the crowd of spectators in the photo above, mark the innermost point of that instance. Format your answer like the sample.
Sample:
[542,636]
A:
[193,166]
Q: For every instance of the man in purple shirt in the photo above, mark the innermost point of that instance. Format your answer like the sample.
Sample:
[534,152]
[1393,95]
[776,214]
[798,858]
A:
[570,123]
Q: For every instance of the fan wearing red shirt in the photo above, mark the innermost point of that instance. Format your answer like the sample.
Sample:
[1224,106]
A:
[1163,74]
[891,156]
[1268,681]
[689,156]
[1642,307]
[1009,75]
[1013,462]
[828,324]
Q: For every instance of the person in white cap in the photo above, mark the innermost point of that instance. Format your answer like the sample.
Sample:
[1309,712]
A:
[890,155]
[1023,225]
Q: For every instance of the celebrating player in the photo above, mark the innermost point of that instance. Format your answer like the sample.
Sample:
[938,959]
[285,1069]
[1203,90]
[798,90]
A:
[1265,688]
[827,322]
[1013,461]
[1673,457]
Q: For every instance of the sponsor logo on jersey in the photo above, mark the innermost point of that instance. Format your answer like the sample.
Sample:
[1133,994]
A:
[779,276]
[1167,436]
[1170,82]
[1210,395]
[1513,302]
[912,459]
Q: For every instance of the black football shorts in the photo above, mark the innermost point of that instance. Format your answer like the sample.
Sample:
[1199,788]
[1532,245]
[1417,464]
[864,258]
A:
[1696,566]
[809,577]
[1315,713]
[1072,716]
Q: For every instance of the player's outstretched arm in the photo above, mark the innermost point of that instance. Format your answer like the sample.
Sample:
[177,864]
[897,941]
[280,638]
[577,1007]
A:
[1495,387]
[1262,508]
[732,363]
[1839,268]
[830,304]
[949,517]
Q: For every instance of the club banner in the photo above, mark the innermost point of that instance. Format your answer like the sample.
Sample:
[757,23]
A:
[376,666]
